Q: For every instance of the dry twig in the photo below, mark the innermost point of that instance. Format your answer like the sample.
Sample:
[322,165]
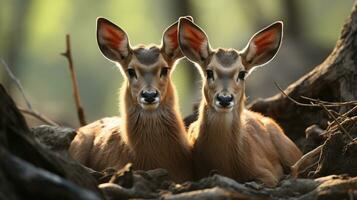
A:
[38,116]
[326,103]
[306,161]
[318,103]
[336,120]
[350,111]
[345,103]
[344,117]
[29,110]
[349,122]
[293,100]
[68,55]
[17,82]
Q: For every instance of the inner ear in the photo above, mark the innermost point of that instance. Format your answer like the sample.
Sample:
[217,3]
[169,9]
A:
[170,44]
[193,41]
[113,42]
[263,46]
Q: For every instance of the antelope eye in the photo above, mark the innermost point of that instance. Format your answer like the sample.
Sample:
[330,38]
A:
[164,71]
[242,74]
[209,74]
[132,73]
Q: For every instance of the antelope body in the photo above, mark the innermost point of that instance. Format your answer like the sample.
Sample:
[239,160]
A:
[236,142]
[150,134]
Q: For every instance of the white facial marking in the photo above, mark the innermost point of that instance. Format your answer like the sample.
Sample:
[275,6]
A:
[219,108]
[149,106]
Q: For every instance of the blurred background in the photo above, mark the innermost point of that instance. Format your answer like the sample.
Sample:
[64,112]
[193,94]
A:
[32,36]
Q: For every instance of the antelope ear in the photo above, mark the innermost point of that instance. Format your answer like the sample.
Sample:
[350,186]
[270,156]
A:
[113,42]
[170,44]
[263,46]
[193,41]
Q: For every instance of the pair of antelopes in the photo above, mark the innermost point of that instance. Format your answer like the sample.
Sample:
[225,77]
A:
[228,138]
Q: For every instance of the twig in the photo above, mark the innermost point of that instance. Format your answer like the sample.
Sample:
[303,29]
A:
[337,114]
[38,116]
[327,104]
[346,103]
[17,82]
[333,127]
[68,55]
[335,119]
[306,161]
[293,100]
[319,104]
[30,110]
[342,117]
[350,111]
[334,104]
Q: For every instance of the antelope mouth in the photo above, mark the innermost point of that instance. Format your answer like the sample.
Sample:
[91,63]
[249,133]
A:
[152,105]
[223,108]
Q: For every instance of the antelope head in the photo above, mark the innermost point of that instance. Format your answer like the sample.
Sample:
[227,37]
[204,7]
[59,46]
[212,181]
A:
[147,69]
[224,70]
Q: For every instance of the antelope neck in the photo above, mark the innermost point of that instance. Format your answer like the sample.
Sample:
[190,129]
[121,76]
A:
[146,126]
[221,123]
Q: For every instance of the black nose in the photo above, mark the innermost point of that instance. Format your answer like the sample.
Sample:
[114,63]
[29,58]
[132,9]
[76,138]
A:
[224,99]
[149,95]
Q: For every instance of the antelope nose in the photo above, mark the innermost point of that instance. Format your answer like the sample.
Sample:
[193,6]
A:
[224,99]
[149,95]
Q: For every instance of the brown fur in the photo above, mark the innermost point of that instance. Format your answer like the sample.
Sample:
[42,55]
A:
[236,142]
[243,145]
[147,137]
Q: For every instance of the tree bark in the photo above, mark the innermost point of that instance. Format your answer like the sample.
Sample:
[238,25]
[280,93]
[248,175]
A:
[333,80]
[28,164]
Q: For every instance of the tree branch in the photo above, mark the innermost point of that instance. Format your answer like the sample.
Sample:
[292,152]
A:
[68,55]
[30,110]
[323,106]
[17,82]
[38,116]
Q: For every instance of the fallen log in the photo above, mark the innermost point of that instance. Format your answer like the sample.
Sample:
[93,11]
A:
[144,186]
[17,139]
[36,183]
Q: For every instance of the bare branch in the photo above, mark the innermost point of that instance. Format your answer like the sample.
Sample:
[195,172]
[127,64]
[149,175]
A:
[350,111]
[17,82]
[326,103]
[38,116]
[321,105]
[346,103]
[334,104]
[68,55]
[293,100]
[336,120]
[30,110]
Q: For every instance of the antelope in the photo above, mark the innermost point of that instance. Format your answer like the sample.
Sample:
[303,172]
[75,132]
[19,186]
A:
[229,138]
[150,134]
